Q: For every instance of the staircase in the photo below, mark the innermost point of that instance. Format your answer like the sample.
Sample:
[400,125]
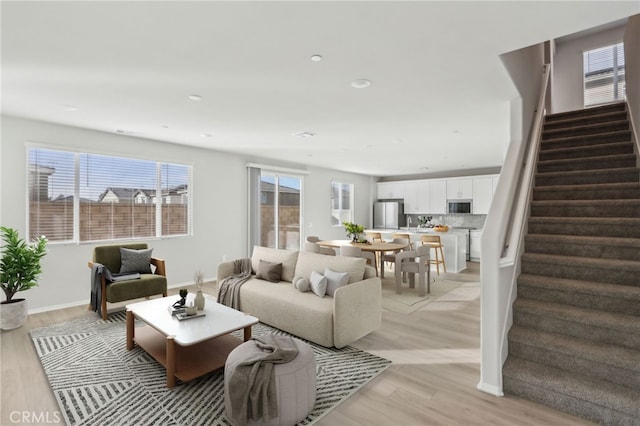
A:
[575,340]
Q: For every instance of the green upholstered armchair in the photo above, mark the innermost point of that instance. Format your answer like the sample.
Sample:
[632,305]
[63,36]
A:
[147,285]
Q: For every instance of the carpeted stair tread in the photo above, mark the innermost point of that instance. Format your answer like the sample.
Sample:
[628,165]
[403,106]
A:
[631,293]
[577,120]
[586,112]
[622,190]
[583,177]
[587,163]
[609,126]
[628,265]
[581,245]
[585,140]
[596,400]
[610,297]
[602,226]
[628,207]
[588,150]
[624,358]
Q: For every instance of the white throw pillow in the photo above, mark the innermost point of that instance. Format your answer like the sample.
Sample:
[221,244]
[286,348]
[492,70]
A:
[318,284]
[302,284]
[335,280]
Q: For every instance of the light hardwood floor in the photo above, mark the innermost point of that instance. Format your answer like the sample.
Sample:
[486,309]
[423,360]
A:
[432,381]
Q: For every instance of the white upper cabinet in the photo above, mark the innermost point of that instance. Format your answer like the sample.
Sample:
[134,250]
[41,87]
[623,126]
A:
[390,190]
[482,194]
[411,202]
[459,189]
[438,196]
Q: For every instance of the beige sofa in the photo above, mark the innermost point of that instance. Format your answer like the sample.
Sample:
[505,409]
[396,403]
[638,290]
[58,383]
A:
[354,311]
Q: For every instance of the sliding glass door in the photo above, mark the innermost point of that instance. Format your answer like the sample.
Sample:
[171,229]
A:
[280,210]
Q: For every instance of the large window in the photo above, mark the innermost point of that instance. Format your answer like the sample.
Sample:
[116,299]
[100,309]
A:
[280,210]
[76,197]
[341,203]
[604,79]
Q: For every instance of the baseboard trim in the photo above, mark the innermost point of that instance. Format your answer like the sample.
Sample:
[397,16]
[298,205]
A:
[490,389]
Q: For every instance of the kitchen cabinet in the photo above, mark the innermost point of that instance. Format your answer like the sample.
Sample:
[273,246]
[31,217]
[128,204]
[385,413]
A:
[459,189]
[475,245]
[438,201]
[390,190]
[482,194]
[417,197]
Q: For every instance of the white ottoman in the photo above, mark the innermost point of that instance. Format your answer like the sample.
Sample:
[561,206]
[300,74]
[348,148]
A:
[295,386]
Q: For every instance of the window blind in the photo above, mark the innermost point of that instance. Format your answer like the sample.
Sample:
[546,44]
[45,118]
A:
[93,197]
[604,76]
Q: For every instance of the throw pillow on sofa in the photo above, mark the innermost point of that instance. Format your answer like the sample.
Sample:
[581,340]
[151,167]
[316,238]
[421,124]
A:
[302,284]
[135,260]
[269,271]
[318,284]
[335,280]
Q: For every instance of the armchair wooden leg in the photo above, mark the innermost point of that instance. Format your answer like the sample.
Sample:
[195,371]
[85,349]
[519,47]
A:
[104,309]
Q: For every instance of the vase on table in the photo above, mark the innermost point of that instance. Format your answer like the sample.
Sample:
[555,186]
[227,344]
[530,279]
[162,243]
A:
[199,300]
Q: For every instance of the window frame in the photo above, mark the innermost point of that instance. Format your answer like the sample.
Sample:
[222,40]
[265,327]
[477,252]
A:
[617,75]
[157,202]
[351,208]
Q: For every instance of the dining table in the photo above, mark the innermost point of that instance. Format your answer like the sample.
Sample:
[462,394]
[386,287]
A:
[376,247]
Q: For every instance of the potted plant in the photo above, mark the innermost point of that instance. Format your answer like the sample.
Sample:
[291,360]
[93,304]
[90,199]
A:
[19,271]
[353,230]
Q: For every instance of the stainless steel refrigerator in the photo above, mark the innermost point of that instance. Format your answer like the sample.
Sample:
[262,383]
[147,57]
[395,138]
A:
[388,215]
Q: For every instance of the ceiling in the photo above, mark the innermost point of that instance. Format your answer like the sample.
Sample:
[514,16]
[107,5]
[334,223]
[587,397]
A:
[438,100]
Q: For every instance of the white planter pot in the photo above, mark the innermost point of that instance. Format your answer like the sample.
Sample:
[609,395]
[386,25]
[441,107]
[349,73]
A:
[13,315]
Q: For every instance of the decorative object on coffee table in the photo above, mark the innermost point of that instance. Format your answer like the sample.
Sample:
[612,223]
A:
[183,298]
[199,300]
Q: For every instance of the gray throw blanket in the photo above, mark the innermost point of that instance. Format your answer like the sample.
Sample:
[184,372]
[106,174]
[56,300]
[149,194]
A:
[229,287]
[252,388]
[97,271]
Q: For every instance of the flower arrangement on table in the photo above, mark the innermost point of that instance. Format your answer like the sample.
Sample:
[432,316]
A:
[353,230]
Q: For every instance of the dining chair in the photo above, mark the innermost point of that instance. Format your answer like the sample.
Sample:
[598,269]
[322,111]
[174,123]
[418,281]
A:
[405,236]
[351,251]
[390,256]
[434,242]
[317,248]
[414,262]
[374,237]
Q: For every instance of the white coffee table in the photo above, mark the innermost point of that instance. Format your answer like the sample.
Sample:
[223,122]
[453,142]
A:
[189,348]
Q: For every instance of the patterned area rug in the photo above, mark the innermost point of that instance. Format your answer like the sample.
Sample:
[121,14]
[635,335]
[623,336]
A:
[96,381]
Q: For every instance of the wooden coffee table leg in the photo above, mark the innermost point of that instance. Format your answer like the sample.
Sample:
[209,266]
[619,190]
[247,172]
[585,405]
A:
[171,362]
[130,330]
[247,333]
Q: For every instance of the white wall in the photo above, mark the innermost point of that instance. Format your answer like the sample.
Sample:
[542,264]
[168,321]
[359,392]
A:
[568,90]
[632,69]
[219,206]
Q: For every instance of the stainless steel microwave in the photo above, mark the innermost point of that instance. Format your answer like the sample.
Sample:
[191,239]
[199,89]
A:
[458,206]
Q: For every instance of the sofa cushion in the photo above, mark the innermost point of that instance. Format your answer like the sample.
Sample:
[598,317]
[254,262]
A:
[286,257]
[318,284]
[308,262]
[282,306]
[335,280]
[269,271]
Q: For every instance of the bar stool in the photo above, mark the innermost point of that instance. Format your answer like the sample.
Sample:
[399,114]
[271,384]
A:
[406,237]
[375,237]
[433,241]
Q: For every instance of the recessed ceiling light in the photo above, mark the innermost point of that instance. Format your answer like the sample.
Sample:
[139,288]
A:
[361,83]
[304,135]
[316,58]
[165,127]
[195,97]
[206,135]
[69,108]
[456,131]
[396,141]
[425,168]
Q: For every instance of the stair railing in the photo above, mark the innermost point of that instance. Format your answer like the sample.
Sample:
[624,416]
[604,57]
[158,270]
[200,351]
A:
[502,245]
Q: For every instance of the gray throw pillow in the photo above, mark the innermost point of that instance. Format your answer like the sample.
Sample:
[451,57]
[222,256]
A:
[335,280]
[302,284]
[269,271]
[318,284]
[135,260]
